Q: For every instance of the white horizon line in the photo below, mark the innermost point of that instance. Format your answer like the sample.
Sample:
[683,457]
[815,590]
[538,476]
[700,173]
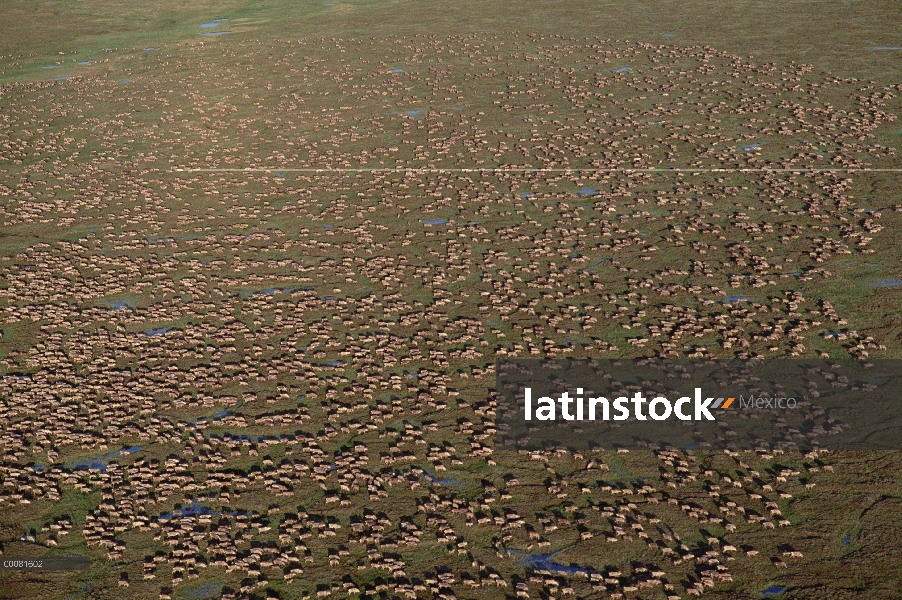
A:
[527,170]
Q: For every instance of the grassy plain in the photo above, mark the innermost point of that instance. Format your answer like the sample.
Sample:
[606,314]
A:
[282,262]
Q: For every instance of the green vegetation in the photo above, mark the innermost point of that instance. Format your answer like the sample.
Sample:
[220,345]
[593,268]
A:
[284,261]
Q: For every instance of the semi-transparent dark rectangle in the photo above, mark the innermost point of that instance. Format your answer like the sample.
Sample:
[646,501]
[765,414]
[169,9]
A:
[839,404]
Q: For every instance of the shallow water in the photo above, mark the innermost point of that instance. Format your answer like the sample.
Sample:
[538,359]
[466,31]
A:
[241,437]
[193,509]
[100,463]
[435,222]
[433,479]
[120,304]
[222,414]
[210,589]
[773,590]
[543,562]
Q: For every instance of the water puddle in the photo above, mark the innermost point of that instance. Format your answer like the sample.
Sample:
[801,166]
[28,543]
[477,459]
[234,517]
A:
[101,463]
[189,511]
[121,305]
[242,437]
[544,562]
[436,481]
[245,294]
[204,591]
